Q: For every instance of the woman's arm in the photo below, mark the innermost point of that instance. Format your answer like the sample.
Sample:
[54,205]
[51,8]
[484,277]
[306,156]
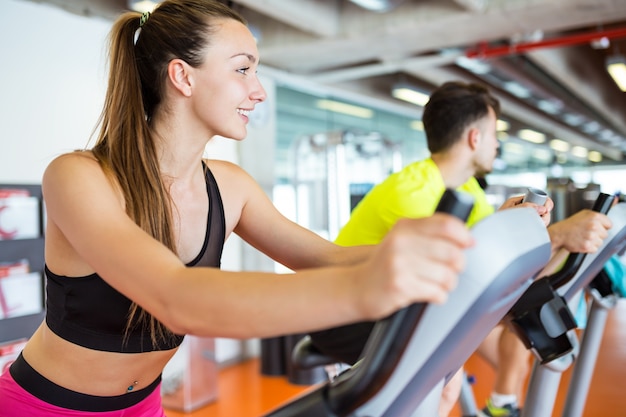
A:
[257,221]
[418,261]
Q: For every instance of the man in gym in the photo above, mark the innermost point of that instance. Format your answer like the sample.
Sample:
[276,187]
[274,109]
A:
[460,125]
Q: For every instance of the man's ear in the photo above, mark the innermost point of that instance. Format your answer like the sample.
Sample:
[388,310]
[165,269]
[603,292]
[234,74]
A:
[473,138]
[179,74]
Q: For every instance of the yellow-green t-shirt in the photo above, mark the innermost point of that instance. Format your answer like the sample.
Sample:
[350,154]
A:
[413,192]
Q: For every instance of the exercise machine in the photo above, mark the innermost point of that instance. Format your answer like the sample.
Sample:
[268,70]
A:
[543,319]
[413,353]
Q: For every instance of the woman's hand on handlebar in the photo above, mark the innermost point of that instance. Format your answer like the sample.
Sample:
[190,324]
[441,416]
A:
[418,261]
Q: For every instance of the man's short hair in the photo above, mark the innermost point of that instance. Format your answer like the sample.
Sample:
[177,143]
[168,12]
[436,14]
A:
[451,109]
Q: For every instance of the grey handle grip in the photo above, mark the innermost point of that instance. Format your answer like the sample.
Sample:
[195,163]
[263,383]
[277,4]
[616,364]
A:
[536,196]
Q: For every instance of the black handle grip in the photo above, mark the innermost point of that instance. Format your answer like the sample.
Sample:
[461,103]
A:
[389,337]
[456,203]
[602,205]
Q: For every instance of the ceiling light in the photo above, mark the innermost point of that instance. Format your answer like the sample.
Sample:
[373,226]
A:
[542,154]
[531,136]
[142,5]
[517,89]
[606,135]
[600,43]
[417,125]
[580,151]
[561,158]
[559,145]
[591,127]
[534,36]
[616,66]
[474,65]
[615,140]
[595,156]
[377,5]
[556,170]
[344,108]
[511,147]
[410,94]
[573,119]
[502,125]
[550,106]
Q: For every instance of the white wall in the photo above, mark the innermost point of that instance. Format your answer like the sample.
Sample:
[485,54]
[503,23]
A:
[52,86]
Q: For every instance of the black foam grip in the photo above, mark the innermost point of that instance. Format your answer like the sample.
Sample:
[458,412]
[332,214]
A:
[389,337]
[456,203]
[602,205]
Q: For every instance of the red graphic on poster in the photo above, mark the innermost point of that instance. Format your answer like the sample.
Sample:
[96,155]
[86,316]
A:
[6,234]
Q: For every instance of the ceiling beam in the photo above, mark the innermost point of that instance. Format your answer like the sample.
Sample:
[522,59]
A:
[385,67]
[473,5]
[590,90]
[418,28]
[320,18]
[107,9]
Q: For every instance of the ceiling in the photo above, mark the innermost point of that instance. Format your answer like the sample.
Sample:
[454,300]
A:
[542,56]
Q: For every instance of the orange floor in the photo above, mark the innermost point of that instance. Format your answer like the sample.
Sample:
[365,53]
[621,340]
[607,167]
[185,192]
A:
[244,392]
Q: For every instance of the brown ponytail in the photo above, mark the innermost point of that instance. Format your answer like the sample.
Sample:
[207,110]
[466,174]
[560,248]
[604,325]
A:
[137,72]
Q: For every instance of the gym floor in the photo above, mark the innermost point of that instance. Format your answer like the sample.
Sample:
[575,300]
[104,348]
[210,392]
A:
[244,392]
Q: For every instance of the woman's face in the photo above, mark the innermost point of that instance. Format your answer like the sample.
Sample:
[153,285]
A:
[227,87]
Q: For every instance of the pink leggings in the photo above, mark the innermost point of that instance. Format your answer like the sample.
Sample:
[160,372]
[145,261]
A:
[16,401]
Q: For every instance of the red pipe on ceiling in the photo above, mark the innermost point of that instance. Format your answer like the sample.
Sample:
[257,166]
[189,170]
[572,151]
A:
[484,51]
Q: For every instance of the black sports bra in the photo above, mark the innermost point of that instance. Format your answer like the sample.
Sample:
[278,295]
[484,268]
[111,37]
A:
[89,312]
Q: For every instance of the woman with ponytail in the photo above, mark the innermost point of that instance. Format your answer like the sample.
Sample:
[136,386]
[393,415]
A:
[136,225]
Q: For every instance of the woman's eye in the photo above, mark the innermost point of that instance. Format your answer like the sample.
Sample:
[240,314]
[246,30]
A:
[243,70]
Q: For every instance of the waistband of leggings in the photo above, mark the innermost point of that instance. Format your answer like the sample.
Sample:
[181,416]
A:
[46,390]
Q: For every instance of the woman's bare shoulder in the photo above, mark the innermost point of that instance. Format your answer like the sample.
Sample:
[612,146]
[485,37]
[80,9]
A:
[226,170]
[221,164]
[73,159]
[78,169]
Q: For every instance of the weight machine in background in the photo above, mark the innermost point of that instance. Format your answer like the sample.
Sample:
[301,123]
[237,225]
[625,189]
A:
[332,171]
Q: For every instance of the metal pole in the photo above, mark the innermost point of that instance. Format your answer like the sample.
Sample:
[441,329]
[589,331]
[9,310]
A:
[542,391]
[467,400]
[586,361]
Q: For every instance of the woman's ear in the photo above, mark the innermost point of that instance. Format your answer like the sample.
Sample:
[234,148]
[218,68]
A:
[179,74]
